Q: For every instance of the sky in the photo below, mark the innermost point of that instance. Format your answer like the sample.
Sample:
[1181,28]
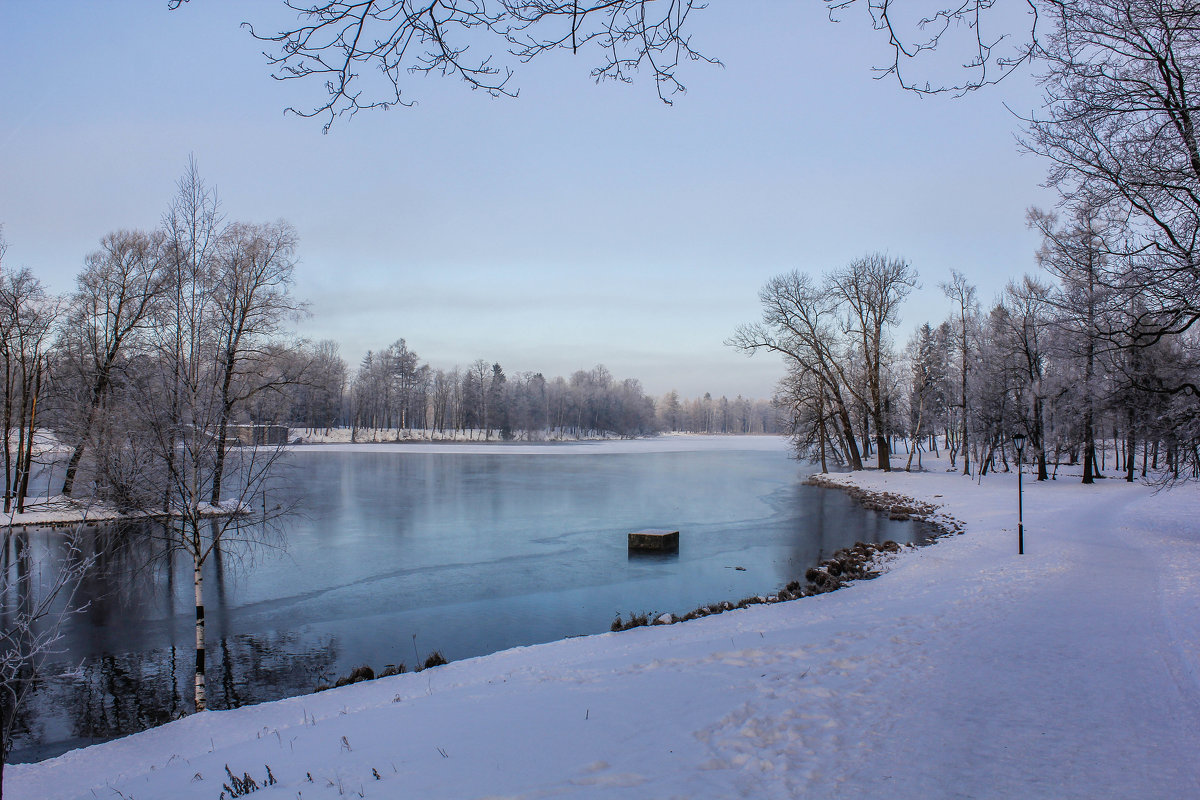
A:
[577,224]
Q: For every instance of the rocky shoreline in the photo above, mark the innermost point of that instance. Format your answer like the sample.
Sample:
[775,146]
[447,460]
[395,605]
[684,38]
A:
[861,561]
[897,507]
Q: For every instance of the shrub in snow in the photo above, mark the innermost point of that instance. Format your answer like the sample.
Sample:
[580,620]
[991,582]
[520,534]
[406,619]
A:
[435,659]
[240,787]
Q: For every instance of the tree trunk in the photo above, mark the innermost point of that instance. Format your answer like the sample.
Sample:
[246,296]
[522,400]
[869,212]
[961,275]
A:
[1040,433]
[219,461]
[821,427]
[964,444]
[198,580]
[8,464]
[884,461]
[23,489]
[851,443]
[98,390]
[77,453]
[223,426]
[1089,447]
[916,433]
[1130,445]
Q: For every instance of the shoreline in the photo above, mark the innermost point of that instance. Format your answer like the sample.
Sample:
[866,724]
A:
[898,507]
[60,513]
[858,562]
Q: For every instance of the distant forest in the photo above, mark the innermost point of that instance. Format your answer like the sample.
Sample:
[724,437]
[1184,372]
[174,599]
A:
[393,391]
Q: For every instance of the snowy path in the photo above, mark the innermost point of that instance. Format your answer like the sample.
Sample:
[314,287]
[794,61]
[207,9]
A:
[965,671]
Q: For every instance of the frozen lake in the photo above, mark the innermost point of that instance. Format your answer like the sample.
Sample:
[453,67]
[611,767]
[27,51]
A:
[458,548]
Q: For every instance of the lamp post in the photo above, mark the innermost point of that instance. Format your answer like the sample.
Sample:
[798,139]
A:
[1019,441]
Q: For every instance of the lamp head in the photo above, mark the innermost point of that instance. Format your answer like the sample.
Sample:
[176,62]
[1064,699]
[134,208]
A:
[1019,441]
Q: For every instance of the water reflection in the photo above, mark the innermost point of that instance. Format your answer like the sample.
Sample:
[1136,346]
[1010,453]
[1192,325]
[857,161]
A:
[467,554]
[112,695]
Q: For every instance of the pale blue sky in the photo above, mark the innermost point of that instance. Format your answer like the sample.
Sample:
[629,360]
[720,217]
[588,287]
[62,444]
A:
[577,224]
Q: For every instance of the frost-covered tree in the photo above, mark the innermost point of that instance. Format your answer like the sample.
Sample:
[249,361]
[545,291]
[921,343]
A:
[836,333]
[871,289]
[1077,254]
[966,309]
[927,391]
[801,322]
[251,299]
[1026,335]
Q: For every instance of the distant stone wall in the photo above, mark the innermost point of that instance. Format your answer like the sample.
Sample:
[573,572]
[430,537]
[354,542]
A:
[255,435]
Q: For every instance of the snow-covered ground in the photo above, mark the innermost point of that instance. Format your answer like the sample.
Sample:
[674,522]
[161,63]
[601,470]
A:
[60,511]
[964,671]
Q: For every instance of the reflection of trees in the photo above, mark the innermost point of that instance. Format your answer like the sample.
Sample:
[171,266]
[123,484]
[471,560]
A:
[136,670]
[129,563]
[118,695]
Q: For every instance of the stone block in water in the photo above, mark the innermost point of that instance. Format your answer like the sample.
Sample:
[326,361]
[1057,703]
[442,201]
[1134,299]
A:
[654,540]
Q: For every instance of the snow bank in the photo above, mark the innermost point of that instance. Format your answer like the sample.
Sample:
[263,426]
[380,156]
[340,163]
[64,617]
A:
[965,671]
[59,511]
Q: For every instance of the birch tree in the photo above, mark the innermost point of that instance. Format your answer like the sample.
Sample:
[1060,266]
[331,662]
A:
[185,403]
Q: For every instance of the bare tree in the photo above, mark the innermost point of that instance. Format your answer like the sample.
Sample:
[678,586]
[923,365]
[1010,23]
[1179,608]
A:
[185,405]
[926,404]
[360,52]
[951,47]
[800,322]
[27,318]
[871,289]
[1119,130]
[963,295]
[114,298]
[1028,327]
[250,294]
[1076,254]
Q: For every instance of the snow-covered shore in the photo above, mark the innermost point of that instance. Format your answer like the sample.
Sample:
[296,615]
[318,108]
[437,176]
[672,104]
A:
[58,511]
[965,671]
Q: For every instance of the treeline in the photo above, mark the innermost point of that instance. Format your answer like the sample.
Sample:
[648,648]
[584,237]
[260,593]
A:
[1059,358]
[393,391]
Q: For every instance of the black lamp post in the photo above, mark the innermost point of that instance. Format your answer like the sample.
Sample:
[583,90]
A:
[1019,441]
